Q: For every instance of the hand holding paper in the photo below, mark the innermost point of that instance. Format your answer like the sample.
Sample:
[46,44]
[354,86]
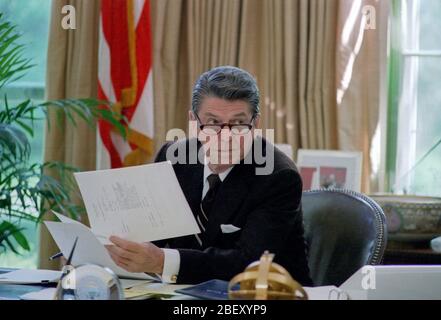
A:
[136,257]
[138,204]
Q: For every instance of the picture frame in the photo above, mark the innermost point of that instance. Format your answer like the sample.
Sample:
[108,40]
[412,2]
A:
[330,169]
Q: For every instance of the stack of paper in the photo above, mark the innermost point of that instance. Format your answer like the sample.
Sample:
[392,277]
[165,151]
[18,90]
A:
[153,291]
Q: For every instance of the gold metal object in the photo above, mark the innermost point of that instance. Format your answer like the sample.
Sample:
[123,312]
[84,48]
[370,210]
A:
[265,280]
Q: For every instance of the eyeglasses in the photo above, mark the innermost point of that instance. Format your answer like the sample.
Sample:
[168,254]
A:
[216,128]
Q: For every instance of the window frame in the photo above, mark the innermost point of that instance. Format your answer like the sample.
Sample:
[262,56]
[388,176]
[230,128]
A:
[399,55]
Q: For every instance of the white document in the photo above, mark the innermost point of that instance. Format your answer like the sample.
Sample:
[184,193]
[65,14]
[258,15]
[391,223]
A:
[65,219]
[325,293]
[395,282]
[88,249]
[141,203]
[30,276]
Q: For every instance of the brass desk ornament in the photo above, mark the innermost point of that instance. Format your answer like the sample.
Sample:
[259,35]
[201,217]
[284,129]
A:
[265,280]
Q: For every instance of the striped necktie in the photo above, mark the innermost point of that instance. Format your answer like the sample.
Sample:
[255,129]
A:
[206,204]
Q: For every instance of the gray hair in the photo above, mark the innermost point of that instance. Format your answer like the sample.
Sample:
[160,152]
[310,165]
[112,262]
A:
[229,83]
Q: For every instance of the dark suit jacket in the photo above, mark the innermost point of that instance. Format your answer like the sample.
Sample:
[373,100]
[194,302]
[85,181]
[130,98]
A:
[265,207]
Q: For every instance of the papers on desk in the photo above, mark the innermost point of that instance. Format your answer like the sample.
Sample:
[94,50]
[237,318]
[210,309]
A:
[325,293]
[146,290]
[386,282]
[141,203]
[153,291]
[140,291]
[130,283]
[30,276]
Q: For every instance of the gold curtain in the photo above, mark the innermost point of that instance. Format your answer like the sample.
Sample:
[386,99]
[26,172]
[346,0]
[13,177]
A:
[294,48]
[71,73]
[190,37]
[361,78]
[288,45]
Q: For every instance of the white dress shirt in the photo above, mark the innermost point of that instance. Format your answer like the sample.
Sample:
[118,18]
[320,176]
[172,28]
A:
[172,259]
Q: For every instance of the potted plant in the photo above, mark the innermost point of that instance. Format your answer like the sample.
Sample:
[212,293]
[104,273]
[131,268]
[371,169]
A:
[27,190]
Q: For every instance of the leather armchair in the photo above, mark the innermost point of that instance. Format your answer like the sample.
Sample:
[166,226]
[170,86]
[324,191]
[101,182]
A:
[345,230]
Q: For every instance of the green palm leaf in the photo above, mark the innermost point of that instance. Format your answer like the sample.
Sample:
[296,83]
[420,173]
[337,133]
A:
[28,190]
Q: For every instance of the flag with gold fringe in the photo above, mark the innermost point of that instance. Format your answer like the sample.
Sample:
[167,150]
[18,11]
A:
[125,79]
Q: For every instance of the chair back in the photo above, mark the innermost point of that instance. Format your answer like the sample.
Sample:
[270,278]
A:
[345,230]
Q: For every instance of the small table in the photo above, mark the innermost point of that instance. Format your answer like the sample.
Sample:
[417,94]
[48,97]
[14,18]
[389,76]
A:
[411,256]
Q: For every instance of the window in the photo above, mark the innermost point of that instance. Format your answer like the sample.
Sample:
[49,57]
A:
[414,125]
[32,21]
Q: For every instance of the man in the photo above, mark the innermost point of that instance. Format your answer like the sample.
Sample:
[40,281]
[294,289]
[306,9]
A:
[240,213]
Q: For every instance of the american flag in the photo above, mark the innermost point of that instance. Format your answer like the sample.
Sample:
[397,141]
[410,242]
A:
[125,78]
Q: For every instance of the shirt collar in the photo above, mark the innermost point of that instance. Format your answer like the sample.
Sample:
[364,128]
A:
[207,172]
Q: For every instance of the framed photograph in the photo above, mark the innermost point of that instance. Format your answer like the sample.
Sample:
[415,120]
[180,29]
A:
[330,169]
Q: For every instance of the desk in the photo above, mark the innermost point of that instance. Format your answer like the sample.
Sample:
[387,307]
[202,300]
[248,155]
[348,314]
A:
[14,291]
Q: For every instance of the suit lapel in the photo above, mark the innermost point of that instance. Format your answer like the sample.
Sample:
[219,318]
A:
[192,185]
[190,177]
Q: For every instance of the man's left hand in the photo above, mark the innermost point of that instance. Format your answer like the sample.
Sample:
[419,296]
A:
[136,257]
